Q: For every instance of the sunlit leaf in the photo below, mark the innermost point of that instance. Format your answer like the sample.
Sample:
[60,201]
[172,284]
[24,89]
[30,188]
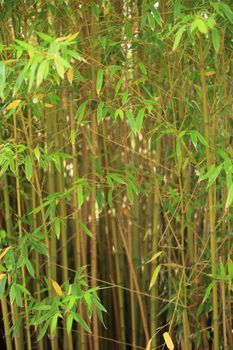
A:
[2,275]
[154,276]
[5,251]
[70,75]
[154,257]
[148,347]
[168,341]
[57,288]
[13,104]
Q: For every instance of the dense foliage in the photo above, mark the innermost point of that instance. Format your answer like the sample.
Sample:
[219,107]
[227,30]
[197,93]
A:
[116,174]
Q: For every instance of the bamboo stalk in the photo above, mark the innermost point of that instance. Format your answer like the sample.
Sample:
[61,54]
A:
[62,209]
[36,286]
[155,236]
[93,221]
[211,191]
[20,227]
[18,339]
[50,119]
[53,340]
[6,322]
[132,271]
[78,240]
[119,281]
[4,305]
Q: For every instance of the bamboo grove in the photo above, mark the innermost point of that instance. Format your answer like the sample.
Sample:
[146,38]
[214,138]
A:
[116,174]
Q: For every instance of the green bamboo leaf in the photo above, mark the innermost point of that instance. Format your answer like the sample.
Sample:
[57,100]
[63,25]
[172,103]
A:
[211,174]
[28,167]
[110,198]
[2,78]
[202,26]
[157,16]
[100,112]
[154,276]
[207,293]
[151,21]
[86,230]
[12,293]
[80,195]
[53,324]
[81,321]
[131,120]
[21,78]
[60,69]
[22,289]
[98,304]
[3,280]
[222,269]
[32,75]
[45,37]
[229,197]
[99,198]
[62,61]
[76,55]
[202,139]
[178,37]
[57,227]
[38,209]
[230,269]
[25,45]
[37,152]
[119,85]
[119,112]
[208,174]
[18,296]
[100,317]
[41,73]
[69,323]
[29,267]
[99,80]
[72,136]
[129,192]
[139,119]
[214,175]
[57,161]
[211,22]
[142,68]
[43,330]
[227,11]
[177,9]
[215,39]
[116,177]
[193,136]
[80,112]
[179,152]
